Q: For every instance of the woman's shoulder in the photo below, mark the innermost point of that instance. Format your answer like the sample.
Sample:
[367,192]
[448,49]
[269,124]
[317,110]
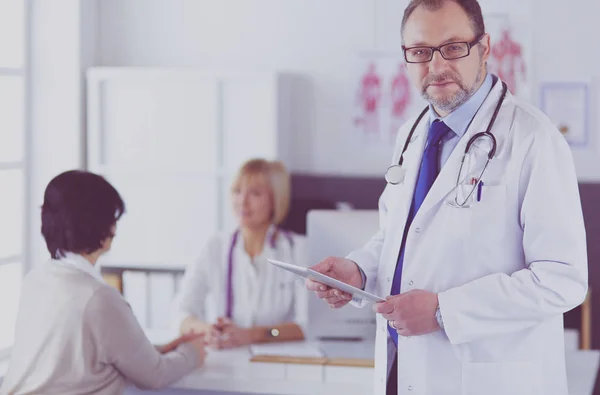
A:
[65,283]
[214,248]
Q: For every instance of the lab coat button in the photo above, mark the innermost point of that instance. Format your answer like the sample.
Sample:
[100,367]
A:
[389,280]
[418,230]
[410,387]
[410,283]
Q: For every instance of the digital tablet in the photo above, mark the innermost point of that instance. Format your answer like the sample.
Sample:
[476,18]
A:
[357,293]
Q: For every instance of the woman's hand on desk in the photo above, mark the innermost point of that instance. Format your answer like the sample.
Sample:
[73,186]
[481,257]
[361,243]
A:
[186,338]
[341,269]
[196,340]
[213,333]
[192,324]
[225,334]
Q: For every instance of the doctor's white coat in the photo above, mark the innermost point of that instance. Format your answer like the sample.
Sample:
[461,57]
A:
[505,269]
[263,294]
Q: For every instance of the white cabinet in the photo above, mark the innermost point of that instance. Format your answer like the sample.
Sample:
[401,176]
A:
[171,140]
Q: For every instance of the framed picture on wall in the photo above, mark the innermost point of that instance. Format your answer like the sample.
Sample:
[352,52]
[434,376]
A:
[567,105]
[511,52]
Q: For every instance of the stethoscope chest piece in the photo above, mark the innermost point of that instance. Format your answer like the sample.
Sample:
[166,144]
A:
[395,174]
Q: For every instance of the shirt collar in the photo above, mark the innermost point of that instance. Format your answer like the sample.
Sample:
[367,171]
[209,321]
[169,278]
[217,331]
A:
[269,241]
[459,119]
[78,262]
[268,237]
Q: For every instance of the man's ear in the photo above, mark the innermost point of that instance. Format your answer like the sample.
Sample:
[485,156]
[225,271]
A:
[486,47]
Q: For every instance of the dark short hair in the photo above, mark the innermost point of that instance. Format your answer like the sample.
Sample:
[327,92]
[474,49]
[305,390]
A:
[79,210]
[471,8]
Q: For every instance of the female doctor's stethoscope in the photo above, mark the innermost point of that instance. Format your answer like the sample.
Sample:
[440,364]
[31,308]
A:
[229,311]
[395,174]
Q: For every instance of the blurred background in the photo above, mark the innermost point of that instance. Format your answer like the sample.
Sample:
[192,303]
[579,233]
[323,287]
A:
[167,98]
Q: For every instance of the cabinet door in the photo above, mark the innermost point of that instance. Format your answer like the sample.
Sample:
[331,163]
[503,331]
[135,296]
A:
[154,122]
[155,137]
[249,120]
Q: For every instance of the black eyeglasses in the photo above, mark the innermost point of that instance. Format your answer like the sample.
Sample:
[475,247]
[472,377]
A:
[448,51]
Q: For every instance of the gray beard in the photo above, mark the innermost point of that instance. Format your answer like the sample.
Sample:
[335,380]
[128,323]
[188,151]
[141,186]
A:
[451,103]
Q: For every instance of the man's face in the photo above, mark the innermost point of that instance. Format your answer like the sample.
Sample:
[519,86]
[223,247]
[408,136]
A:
[446,84]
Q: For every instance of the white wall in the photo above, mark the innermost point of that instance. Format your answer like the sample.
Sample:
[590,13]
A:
[304,37]
[320,39]
[60,48]
[560,29]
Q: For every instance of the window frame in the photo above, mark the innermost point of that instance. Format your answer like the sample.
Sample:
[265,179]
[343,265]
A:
[24,72]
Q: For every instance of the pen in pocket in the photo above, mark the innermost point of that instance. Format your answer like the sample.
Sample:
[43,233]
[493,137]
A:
[479,189]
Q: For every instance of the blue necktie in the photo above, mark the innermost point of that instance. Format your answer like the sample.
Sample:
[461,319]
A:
[430,165]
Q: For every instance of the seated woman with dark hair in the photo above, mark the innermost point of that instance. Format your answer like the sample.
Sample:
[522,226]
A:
[75,334]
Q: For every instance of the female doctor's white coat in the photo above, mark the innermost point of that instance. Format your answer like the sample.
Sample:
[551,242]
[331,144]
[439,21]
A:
[505,269]
[263,294]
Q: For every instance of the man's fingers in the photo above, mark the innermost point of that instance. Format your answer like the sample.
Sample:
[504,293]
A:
[334,299]
[383,307]
[404,332]
[315,286]
[390,317]
[334,293]
[337,296]
[342,294]
[324,266]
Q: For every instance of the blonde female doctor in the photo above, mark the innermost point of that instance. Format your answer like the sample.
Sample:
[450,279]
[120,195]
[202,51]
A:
[232,293]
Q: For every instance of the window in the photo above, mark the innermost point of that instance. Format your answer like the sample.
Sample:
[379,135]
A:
[12,162]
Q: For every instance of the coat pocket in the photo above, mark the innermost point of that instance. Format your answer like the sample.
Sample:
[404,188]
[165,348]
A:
[501,378]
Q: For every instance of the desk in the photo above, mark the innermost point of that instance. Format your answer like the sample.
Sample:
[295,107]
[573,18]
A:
[232,371]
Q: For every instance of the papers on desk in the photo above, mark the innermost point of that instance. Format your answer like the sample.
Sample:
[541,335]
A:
[315,353]
[295,350]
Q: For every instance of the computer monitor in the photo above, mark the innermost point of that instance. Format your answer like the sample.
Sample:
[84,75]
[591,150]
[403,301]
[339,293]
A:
[337,233]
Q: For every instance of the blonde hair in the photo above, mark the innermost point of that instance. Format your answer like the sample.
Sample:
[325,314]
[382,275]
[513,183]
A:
[278,180]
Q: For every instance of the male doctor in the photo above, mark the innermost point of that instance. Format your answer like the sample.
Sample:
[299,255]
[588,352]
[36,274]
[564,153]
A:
[477,291]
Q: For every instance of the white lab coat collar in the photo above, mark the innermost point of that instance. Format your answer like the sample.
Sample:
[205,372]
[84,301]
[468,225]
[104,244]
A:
[242,257]
[78,262]
[268,240]
[267,245]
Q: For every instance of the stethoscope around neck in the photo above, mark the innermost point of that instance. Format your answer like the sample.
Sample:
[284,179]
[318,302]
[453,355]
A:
[396,174]
[234,239]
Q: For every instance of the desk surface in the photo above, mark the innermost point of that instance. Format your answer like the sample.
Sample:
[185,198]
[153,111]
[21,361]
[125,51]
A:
[232,371]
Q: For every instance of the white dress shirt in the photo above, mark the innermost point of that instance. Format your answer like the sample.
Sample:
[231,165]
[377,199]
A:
[76,335]
[263,294]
